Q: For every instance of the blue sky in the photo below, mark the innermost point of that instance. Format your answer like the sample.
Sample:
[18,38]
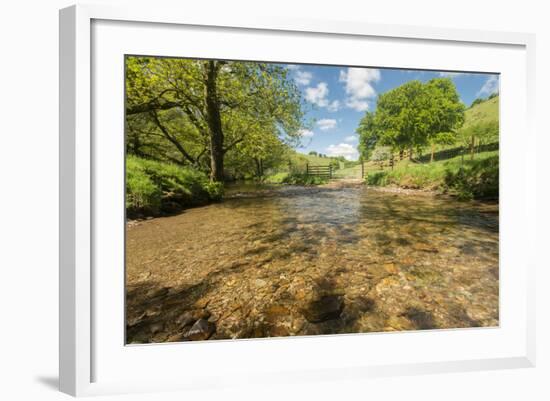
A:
[338,97]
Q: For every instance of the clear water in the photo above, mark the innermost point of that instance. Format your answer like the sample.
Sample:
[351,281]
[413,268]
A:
[284,261]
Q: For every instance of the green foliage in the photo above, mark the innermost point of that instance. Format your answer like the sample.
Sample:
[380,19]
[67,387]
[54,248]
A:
[154,188]
[259,106]
[464,178]
[303,179]
[411,116]
[295,178]
[484,112]
[276,178]
[141,191]
[477,101]
[378,178]
[381,153]
[481,124]
[477,180]
[368,135]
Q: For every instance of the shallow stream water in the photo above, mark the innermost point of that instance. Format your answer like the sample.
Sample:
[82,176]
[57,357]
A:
[280,261]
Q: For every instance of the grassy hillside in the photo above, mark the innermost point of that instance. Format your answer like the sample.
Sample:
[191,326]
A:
[486,111]
[462,175]
[300,158]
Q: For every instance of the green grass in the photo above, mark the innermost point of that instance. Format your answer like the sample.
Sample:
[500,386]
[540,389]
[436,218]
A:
[462,177]
[299,160]
[477,178]
[484,112]
[155,188]
[349,172]
[276,178]
[295,178]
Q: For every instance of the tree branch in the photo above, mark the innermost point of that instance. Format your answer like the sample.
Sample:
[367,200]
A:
[171,138]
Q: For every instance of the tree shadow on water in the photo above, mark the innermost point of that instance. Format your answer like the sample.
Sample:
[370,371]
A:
[154,312]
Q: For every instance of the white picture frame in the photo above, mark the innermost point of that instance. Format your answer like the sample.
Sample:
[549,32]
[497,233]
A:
[81,344]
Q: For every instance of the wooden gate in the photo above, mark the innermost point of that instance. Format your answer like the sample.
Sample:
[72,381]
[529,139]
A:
[319,171]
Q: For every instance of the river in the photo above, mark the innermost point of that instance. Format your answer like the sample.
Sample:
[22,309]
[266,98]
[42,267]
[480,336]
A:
[284,261]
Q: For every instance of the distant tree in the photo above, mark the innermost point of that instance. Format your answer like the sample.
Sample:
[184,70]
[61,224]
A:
[412,116]
[478,134]
[312,153]
[477,101]
[447,112]
[381,153]
[368,135]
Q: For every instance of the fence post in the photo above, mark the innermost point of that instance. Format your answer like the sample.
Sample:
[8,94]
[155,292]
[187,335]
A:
[307,168]
[362,168]
[330,171]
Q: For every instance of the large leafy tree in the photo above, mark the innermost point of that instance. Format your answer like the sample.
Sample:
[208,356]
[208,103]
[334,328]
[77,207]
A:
[412,116]
[368,135]
[447,111]
[204,109]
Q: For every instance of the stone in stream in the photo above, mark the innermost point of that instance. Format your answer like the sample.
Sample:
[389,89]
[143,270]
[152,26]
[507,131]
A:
[187,318]
[156,327]
[424,248]
[201,330]
[325,308]
[179,337]
[157,293]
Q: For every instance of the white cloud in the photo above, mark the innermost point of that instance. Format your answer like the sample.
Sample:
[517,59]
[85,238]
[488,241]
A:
[358,86]
[343,149]
[351,138]
[489,87]
[326,124]
[334,106]
[305,133]
[303,77]
[357,104]
[318,94]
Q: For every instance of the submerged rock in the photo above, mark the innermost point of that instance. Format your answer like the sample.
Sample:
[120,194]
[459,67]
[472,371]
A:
[201,330]
[156,327]
[424,248]
[325,308]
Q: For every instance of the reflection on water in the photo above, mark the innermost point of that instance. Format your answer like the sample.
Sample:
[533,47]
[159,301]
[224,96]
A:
[299,261]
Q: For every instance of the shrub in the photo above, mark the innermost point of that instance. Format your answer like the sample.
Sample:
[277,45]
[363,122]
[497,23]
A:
[154,187]
[379,178]
[141,191]
[477,180]
[276,178]
[468,179]
[303,179]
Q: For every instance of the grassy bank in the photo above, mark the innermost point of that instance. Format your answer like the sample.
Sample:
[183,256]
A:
[295,178]
[466,179]
[154,188]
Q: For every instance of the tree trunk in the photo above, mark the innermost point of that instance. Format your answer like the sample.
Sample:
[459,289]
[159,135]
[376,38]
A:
[433,152]
[214,121]
[472,145]
[259,167]
[410,153]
